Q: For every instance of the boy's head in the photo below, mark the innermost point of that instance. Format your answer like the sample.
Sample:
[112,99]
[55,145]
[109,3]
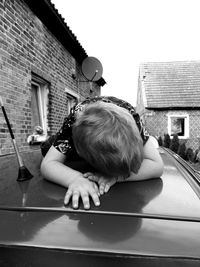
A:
[107,137]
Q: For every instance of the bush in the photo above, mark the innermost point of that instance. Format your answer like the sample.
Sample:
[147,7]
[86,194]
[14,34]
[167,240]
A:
[182,150]
[160,141]
[196,156]
[174,145]
[189,155]
[167,141]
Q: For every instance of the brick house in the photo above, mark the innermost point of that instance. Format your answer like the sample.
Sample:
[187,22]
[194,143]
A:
[40,70]
[168,99]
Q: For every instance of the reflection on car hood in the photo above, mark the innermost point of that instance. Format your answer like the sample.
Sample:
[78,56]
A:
[32,214]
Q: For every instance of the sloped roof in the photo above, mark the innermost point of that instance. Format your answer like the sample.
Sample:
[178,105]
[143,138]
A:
[171,84]
[49,15]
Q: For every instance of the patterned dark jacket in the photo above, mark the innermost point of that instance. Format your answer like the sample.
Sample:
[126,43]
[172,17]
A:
[63,141]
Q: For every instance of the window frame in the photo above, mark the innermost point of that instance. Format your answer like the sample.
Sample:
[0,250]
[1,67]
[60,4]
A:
[186,125]
[42,91]
[70,96]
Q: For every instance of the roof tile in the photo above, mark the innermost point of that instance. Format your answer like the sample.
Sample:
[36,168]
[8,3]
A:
[171,84]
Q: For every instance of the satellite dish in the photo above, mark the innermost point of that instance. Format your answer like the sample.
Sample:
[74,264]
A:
[92,69]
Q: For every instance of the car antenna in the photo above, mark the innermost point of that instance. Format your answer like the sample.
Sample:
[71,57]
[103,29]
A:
[23,173]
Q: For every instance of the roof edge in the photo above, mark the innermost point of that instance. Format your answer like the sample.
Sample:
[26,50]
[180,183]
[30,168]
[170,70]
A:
[53,20]
[173,108]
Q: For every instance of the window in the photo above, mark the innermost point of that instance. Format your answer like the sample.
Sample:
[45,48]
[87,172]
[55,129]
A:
[39,103]
[36,118]
[178,124]
[72,99]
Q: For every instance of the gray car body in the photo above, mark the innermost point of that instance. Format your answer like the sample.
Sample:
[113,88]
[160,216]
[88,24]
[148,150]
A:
[147,223]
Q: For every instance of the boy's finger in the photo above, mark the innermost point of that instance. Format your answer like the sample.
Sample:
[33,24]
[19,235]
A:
[93,178]
[87,174]
[96,188]
[67,197]
[107,187]
[85,199]
[101,188]
[75,199]
[95,198]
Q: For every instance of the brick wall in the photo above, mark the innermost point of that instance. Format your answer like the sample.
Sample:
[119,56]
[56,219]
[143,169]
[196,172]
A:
[194,120]
[26,47]
[157,122]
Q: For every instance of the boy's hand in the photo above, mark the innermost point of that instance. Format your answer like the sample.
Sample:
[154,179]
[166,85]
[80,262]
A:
[105,183]
[83,188]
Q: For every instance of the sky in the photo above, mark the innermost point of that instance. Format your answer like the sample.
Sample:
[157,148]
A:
[122,34]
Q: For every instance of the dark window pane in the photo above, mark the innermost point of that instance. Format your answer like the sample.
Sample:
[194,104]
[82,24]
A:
[178,126]
[36,118]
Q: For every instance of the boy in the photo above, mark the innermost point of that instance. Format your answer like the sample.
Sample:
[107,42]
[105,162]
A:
[107,133]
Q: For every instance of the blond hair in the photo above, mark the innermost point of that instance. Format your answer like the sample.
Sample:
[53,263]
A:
[107,137]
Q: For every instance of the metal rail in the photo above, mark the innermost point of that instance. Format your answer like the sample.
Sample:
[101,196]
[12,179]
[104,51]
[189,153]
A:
[109,213]
[185,164]
[194,176]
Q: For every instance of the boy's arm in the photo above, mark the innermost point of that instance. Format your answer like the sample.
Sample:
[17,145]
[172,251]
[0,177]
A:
[152,165]
[54,170]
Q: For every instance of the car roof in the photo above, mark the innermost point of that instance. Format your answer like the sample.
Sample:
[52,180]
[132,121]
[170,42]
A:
[154,217]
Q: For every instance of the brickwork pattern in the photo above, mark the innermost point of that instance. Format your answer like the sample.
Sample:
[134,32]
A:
[194,122]
[157,125]
[26,47]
